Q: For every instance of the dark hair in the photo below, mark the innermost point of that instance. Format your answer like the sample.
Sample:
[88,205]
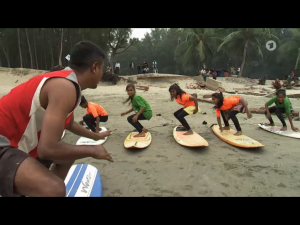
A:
[84,54]
[83,100]
[281,92]
[129,98]
[178,90]
[220,97]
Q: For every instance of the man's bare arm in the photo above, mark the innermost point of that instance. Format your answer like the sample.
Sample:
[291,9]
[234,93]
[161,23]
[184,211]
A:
[59,95]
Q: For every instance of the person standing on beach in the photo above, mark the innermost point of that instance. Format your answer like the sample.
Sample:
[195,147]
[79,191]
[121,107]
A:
[139,68]
[33,117]
[154,65]
[190,106]
[117,68]
[131,67]
[141,108]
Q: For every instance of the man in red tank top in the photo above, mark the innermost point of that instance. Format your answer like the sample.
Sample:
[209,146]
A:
[33,117]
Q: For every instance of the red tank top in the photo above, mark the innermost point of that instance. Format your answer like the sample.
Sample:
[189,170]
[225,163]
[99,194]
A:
[21,114]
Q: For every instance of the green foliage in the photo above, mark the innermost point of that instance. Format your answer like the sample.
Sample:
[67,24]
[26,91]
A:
[177,50]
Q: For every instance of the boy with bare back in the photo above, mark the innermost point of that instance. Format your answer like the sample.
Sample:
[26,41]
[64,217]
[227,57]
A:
[33,117]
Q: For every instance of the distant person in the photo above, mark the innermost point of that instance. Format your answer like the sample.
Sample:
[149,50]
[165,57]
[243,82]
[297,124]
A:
[262,80]
[117,68]
[282,105]
[131,67]
[232,71]
[154,66]
[276,84]
[145,67]
[214,74]
[139,68]
[94,115]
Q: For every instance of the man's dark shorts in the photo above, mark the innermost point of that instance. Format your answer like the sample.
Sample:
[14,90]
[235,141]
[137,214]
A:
[10,160]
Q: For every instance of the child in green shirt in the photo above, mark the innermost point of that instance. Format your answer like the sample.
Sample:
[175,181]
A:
[283,105]
[142,109]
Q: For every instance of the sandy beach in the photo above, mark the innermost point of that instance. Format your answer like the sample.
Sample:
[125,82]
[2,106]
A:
[166,168]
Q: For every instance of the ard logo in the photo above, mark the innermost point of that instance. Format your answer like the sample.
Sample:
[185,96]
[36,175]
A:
[86,183]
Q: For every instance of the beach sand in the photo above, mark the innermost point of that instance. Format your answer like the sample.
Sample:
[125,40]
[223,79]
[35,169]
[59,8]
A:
[166,168]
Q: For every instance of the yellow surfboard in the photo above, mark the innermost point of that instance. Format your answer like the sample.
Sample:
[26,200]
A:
[194,140]
[137,142]
[241,141]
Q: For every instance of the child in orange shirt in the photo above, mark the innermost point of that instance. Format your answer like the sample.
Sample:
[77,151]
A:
[189,103]
[94,115]
[228,107]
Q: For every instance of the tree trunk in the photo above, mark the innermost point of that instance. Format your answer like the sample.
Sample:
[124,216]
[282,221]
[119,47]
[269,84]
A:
[6,55]
[111,61]
[30,53]
[34,46]
[61,47]
[244,59]
[20,51]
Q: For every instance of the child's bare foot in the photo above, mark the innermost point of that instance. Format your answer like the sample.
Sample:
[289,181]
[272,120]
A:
[142,134]
[238,133]
[145,130]
[226,128]
[181,128]
[283,129]
[190,132]
[297,119]
[270,124]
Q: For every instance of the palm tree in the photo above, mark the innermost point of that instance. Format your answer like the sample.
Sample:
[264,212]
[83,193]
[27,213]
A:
[199,40]
[29,47]
[244,39]
[61,47]
[20,50]
[291,46]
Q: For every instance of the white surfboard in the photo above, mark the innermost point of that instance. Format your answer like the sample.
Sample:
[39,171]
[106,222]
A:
[87,141]
[83,180]
[276,130]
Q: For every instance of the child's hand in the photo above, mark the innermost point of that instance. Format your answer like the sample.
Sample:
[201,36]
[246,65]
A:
[195,111]
[249,114]
[134,119]
[123,114]
[295,129]
[221,129]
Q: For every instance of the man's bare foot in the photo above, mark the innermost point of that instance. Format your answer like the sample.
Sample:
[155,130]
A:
[270,124]
[238,133]
[190,132]
[145,130]
[283,129]
[142,134]
[226,128]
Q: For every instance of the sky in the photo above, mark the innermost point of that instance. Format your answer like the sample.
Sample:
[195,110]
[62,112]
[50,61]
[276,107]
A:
[139,32]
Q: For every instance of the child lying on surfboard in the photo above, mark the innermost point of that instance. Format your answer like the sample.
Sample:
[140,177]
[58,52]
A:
[189,103]
[282,105]
[229,107]
[94,115]
[142,109]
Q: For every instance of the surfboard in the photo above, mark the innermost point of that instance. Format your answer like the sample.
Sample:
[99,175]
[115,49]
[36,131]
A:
[137,142]
[276,130]
[194,140]
[83,180]
[62,136]
[87,141]
[241,141]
